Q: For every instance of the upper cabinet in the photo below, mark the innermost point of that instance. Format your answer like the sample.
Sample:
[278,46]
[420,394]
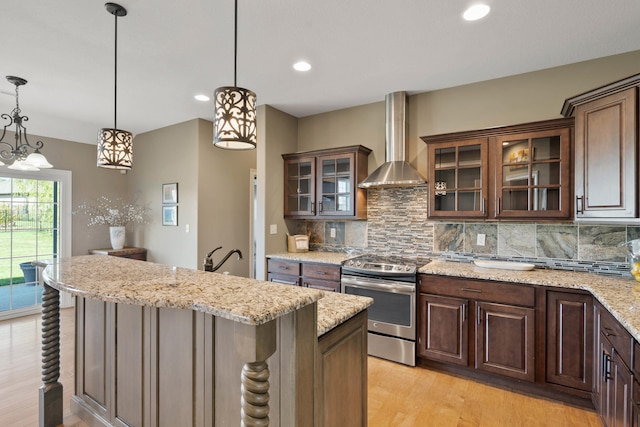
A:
[519,172]
[324,183]
[606,150]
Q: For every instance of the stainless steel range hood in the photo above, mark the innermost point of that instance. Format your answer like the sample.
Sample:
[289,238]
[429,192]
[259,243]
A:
[395,172]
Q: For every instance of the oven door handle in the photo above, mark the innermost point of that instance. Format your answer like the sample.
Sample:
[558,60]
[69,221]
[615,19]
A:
[396,288]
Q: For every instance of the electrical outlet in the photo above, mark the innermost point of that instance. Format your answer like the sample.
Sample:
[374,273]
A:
[333,232]
[273,229]
[186,228]
[481,238]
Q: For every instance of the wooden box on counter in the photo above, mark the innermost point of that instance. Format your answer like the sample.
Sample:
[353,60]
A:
[133,253]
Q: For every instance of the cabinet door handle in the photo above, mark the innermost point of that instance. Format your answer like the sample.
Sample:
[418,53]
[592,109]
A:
[320,203]
[479,315]
[483,204]
[498,206]
[313,207]
[580,206]
[607,371]
[464,312]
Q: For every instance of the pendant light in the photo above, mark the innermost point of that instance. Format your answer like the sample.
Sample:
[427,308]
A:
[234,124]
[25,156]
[115,146]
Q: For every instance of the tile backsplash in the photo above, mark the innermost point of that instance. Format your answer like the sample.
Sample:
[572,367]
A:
[397,224]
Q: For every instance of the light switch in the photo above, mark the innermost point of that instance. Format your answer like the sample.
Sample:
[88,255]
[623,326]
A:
[186,228]
[333,232]
[273,229]
[481,238]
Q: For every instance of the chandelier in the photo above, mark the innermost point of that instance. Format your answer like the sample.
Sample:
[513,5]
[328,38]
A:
[234,123]
[115,146]
[24,155]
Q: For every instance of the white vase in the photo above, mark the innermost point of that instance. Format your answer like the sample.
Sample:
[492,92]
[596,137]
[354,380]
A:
[117,235]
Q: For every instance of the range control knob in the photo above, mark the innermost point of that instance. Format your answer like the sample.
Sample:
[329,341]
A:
[407,268]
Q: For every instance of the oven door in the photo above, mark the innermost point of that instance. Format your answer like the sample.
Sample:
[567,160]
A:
[394,304]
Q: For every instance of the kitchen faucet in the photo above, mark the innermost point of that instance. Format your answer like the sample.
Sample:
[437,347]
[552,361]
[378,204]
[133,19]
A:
[208,262]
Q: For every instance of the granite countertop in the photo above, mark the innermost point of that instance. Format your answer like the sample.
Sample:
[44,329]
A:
[240,299]
[315,256]
[620,295]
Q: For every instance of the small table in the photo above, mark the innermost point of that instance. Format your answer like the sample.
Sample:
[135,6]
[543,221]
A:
[133,253]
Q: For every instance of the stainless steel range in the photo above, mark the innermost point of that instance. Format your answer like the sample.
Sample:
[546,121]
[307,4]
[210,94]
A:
[391,282]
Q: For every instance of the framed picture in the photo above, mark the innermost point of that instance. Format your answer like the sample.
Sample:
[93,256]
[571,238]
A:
[170,215]
[170,193]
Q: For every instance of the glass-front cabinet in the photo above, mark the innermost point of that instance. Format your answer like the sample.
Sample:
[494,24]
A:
[335,188]
[533,174]
[458,178]
[519,172]
[300,186]
[324,183]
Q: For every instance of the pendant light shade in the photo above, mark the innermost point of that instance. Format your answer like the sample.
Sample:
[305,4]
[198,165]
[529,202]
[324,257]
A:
[235,120]
[115,146]
[234,123]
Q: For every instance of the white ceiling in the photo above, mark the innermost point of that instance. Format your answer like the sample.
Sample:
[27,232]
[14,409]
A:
[359,49]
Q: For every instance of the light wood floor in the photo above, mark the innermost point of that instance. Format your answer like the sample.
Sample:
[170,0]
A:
[399,396]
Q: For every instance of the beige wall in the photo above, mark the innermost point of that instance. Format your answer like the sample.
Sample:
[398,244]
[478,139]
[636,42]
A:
[516,99]
[163,156]
[277,135]
[224,202]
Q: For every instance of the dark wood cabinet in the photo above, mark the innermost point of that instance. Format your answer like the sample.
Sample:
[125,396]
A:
[139,254]
[458,171]
[443,334]
[505,340]
[510,172]
[501,330]
[324,183]
[325,277]
[570,339]
[613,391]
[606,133]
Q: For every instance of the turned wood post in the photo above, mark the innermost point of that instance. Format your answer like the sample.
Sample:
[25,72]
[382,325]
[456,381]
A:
[50,394]
[254,344]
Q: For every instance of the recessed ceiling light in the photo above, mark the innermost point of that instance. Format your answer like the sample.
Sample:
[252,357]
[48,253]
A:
[476,12]
[302,66]
[203,98]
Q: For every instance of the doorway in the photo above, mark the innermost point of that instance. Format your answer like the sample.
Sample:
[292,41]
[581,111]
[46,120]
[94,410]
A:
[35,224]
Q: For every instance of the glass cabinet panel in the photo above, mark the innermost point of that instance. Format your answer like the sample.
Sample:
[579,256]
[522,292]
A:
[299,187]
[457,184]
[337,185]
[532,170]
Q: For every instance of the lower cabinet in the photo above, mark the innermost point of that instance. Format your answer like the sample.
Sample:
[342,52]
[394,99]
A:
[569,357]
[325,277]
[505,340]
[443,331]
[612,395]
[496,319]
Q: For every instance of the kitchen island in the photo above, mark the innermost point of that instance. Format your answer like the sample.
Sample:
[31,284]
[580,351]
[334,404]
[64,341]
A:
[157,345]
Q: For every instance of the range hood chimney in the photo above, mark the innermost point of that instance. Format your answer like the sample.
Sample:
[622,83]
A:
[395,172]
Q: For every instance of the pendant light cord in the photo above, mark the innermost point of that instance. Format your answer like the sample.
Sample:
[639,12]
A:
[115,76]
[235,43]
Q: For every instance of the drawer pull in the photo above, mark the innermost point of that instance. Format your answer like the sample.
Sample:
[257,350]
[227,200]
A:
[608,332]
[477,291]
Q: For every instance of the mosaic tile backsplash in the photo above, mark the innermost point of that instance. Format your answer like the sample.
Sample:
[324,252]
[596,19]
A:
[397,224]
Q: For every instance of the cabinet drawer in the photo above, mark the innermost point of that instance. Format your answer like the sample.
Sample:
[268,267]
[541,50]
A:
[617,335]
[283,267]
[505,293]
[284,279]
[321,271]
[325,285]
